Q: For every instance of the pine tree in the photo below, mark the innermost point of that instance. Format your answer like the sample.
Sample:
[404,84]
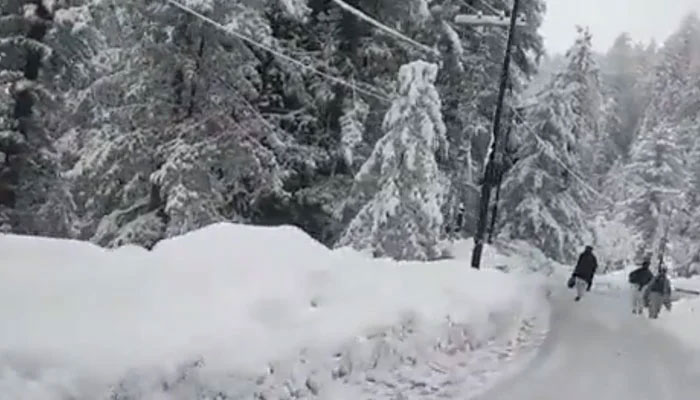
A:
[473,61]
[663,154]
[352,129]
[581,78]
[675,75]
[658,168]
[677,79]
[169,97]
[147,122]
[403,187]
[544,201]
[622,75]
[33,196]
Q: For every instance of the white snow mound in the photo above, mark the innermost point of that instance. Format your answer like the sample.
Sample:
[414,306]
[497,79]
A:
[238,297]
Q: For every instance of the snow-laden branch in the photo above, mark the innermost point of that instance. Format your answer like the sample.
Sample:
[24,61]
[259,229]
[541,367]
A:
[279,54]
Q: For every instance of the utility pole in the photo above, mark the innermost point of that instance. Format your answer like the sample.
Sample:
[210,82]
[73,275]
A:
[499,182]
[494,161]
[664,240]
[507,164]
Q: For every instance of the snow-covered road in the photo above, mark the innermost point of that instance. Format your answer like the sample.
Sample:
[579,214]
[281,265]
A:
[597,350]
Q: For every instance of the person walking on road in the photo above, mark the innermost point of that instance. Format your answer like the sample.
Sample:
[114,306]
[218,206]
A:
[639,279]
[659,293]
[584,272]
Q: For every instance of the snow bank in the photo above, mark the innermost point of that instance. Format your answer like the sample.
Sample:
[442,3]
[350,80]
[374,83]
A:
[683,320]
[241,302]
[512,256]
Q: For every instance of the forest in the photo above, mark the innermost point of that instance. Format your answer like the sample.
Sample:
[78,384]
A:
[132,121]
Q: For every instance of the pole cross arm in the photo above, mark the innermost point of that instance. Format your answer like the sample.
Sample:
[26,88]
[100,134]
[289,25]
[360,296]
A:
[487,20]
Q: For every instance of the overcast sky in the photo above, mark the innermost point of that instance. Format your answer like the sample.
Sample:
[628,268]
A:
[643,19]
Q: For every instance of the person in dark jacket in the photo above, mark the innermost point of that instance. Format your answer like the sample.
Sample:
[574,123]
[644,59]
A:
[584,272]
[639,279]
[659,293]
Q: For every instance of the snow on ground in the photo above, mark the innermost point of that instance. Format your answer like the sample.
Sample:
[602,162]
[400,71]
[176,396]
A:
[514,256]
[597,349]
[234,311]
[682,322]
[684,319]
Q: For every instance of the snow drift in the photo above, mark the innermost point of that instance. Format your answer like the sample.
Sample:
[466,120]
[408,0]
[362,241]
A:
[239,310]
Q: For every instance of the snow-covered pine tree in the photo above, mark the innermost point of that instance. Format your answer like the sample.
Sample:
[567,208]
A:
[662,157]
[621,75]
[33,197]
[647,58]
[674,74]
[352,129]
[543,201]
[355,49]
[473,61]
[657,77]
[581,80]
[459,108]
[169,96]
[675,106]
[401,185]
[11,141]
[657,168]
[318,122]
[685,244]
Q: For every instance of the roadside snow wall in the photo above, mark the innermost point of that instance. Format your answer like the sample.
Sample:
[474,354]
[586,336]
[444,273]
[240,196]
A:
[233,311]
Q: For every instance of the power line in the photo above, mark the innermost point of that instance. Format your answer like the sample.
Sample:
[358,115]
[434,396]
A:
[359,14]
[550,152]
[355,87]
[277,53]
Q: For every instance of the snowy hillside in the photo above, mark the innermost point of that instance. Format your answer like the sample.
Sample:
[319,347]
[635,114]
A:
[234,311]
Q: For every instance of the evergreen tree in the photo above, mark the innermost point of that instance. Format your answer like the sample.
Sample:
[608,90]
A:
[168,97]
[139,121]
[657,168]
[403,187]
[675,76]
[664,152]
[622,76]
[468,86]
[544,203]
[33,196]
[677,80]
